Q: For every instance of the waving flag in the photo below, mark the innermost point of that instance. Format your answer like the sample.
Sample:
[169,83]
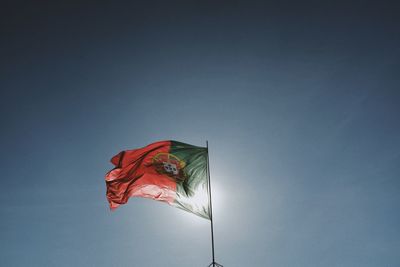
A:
[168,171]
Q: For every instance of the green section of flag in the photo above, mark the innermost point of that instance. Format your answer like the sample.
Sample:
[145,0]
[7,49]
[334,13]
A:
[192,193]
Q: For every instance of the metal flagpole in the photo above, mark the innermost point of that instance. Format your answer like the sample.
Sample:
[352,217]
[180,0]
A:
[213,263]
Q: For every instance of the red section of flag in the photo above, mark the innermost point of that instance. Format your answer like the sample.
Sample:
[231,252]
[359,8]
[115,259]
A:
[135,175]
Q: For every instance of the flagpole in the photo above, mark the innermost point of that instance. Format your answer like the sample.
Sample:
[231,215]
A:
[213,263]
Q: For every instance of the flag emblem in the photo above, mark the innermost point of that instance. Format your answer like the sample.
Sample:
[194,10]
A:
[171,165]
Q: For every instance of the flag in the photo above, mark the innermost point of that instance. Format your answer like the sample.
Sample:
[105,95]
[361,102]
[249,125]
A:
[168,171]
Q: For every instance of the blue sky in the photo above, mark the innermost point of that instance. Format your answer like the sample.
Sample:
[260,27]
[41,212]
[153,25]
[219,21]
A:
[299,103]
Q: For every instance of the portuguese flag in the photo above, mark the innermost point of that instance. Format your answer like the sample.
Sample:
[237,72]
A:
[168,171]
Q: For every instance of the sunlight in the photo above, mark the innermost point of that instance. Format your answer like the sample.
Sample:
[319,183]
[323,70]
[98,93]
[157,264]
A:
[217,198]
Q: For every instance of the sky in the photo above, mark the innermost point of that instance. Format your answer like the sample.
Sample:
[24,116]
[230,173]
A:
[299,101]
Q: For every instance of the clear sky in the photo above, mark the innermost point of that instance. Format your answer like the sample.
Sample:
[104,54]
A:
[299,100]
